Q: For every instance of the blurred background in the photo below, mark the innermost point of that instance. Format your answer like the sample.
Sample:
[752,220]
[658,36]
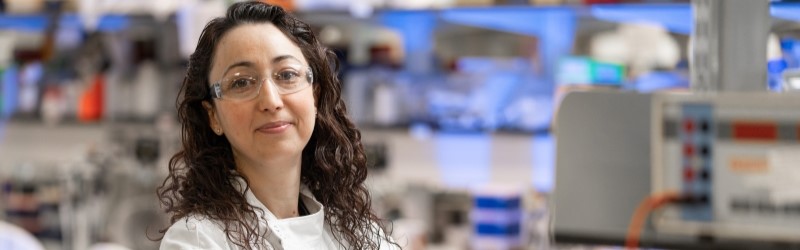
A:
[489,124]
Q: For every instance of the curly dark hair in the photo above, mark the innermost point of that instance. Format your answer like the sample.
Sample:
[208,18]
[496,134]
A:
[202,179]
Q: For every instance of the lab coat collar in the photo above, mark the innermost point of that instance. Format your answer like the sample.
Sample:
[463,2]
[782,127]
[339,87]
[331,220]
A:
[307,230]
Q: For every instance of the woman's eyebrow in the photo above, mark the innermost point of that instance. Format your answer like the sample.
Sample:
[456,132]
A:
[277,59]
[280,58]
[238,64]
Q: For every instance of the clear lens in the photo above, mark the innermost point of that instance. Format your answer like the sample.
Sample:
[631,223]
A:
[245,86]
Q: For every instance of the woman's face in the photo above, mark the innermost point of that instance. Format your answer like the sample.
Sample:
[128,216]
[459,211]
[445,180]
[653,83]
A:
[273,125]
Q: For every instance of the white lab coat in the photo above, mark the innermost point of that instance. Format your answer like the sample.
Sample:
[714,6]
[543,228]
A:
[306,232]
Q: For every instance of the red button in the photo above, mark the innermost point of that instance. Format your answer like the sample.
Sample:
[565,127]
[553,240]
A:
[688,126]
[688,149]
[688,174]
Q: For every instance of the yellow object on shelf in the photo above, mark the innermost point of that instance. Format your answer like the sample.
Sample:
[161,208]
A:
[474,2]
[24,6]
[546,2]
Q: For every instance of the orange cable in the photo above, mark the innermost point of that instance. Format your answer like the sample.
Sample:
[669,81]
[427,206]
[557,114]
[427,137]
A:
[647,206]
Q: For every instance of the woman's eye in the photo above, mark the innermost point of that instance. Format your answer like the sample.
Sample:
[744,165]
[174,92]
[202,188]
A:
[287,75]
[241,83]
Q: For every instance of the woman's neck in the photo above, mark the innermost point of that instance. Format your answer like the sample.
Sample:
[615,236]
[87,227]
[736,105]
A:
[276,185]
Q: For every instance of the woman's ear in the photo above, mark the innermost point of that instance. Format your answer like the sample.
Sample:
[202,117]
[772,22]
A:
[213,120]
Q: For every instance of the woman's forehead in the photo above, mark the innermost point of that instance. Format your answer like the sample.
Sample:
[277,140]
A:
[261,44]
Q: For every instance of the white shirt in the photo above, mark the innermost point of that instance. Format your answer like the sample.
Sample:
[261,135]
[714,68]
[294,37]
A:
[305,232]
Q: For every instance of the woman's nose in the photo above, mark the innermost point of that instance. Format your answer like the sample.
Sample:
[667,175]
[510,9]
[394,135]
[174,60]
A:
[269,99]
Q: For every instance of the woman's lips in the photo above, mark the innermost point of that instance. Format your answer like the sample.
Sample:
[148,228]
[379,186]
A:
[274,127]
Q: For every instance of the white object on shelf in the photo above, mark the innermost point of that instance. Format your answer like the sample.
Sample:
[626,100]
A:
[191,19]
[791,80]
[89,12]
[420,4]
[107,246]
[642,47]
[29,86]
[387,111]
[496,217]
[327,4]
[147,85]
[6,49]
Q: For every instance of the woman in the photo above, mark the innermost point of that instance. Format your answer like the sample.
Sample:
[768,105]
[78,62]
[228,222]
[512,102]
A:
[270,159]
